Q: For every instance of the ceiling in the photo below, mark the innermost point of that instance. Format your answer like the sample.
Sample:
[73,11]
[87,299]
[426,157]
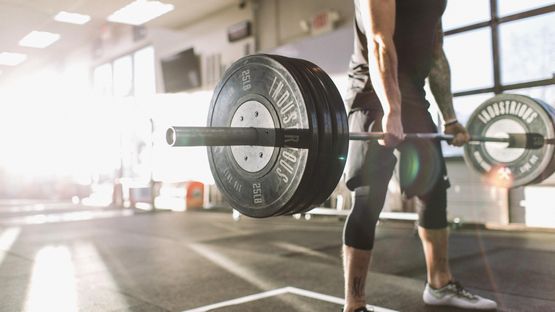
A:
[19,17]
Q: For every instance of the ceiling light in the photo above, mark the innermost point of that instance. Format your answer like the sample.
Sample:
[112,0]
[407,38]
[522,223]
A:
[72,18]
[12,59]
[39,39]
[139,12]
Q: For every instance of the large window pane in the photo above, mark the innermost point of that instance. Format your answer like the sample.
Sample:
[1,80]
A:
[123,76]
[463,13]
[508,7]
[470,57]
[145,76]
[528,49]
[102,79]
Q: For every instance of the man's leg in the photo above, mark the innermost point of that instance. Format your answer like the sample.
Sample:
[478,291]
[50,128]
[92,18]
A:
[432,229]
[359,231]
[355,264]
[441,288]
[434,243]
[370,168]
[429,184]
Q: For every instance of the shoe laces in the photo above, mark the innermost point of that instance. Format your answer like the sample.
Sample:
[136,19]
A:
[461,291]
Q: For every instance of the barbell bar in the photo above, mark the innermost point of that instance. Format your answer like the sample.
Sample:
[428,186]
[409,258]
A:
[298,138]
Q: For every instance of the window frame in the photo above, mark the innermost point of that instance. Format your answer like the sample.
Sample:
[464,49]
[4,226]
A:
[494,22]
[111,61]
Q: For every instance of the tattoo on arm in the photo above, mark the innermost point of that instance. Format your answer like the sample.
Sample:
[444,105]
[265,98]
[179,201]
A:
[357,288]
[440,78]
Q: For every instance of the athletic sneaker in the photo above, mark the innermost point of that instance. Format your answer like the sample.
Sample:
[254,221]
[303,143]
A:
[362,309]
[454,294]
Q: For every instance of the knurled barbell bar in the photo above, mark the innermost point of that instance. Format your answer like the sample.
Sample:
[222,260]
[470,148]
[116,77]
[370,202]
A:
[277,137]
[299,138]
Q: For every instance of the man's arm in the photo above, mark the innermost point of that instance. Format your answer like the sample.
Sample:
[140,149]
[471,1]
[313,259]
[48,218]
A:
[440,84]
[378,18]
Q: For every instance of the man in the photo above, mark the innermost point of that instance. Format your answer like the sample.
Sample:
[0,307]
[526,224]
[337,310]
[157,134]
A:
[398,44]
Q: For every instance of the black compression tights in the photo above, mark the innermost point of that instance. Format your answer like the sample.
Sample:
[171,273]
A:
[361,224]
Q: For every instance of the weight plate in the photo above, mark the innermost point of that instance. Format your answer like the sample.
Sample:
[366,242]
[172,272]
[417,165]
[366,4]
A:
[550,169]
[509,167]
[326,180]
[306,189]
[340,128]
[321,174]
[263,80]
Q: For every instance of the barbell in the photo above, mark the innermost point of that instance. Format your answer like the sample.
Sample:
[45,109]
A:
[278,135]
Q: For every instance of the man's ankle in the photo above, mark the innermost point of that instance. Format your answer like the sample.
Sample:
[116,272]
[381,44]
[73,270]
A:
[350,307]
[440,281]
[355,308]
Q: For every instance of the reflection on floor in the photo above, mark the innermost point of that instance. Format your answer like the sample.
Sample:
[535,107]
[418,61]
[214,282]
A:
[184,261]
[20,212]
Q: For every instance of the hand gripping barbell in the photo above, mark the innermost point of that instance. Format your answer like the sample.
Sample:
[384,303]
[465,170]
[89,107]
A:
[277,137]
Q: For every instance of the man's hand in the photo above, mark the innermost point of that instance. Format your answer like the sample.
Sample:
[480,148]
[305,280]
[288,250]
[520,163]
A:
[459,132]
[393,129]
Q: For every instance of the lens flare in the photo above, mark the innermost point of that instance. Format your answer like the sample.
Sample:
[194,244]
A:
[420,167]
[411,166]
[500,176]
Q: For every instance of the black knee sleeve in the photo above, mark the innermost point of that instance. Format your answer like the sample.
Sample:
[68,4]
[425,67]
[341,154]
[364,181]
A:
[432,208]
[360,227]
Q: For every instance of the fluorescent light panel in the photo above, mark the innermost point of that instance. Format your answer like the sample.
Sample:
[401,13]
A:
[39,39]
[72,18]
[12,59]
[139,12]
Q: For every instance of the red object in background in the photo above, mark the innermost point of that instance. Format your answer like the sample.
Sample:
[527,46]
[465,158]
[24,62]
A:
[321,20]
[194,195]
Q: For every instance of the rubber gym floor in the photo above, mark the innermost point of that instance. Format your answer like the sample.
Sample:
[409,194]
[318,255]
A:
[62,257]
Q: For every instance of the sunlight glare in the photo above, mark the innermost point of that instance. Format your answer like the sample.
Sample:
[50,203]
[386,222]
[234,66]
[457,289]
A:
[52,286]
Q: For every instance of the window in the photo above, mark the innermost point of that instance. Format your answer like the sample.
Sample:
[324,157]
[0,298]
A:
[500,55]
[123,76]
[132,74]
[460,13]
[508,7]
[527,49]
[102,79]
[144,72]
[472,47]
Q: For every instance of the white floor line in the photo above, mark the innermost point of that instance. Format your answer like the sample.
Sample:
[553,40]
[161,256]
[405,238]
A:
[266,294]
[233,267]
[327,298]
[277,292]
[315,295]
[307,251]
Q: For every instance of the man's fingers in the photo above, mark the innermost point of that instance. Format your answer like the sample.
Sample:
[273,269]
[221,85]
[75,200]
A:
[460,139]
[390,140]
[460,135]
